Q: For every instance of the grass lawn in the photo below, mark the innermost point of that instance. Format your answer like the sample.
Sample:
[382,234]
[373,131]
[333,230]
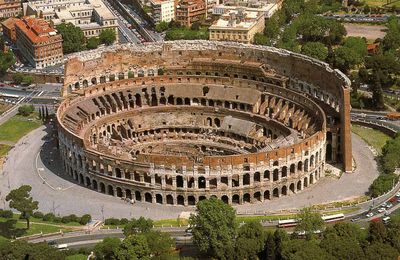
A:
[4,149]
[373,137]
[382,2]
[18,126]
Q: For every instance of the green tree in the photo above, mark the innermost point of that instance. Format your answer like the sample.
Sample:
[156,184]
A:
[280,237]
[377,232]
[23,250]
[380,251]
[309,222]
[214,228]
[160,244]
[261,39]
[316,50]
[107,36]
[73,38]
[270,247]
[346,58]
[313,28]
[134,247]
[336,33]
[21,200]
[393,231]
[108,248]
[26,110]
[6,60]
[250,241]
[27,80]
[92,43]
[162,26]
[18,78]
[140,225]
[342,247]
[358,44]
[298,249]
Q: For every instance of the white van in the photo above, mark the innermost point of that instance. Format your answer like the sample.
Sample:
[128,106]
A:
[386,220]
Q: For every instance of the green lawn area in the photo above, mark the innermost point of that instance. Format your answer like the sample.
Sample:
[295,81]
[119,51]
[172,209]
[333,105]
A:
[18,126]
[382,2]
[4,149]
[373,137]
[187,34]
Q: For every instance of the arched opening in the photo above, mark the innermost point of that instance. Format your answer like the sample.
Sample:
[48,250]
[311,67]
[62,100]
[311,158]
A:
[292,168]
[128,194]
[312,161]
[81,179]
[209,121]
[102,188]
[284,190]
[179,101]
[225,199]
[300,166]
[127,175]
[246,179]
[119,192]
[138,196]
[299,185]
[305,182]
[158,198]
[180,200]
[257,196]
[275,175]
[311,178]
[191,200]
[275,193]
[179,181]
[110,190]
[118,173]
[202,183]
[267,195]
[284,171]
[148,197]
[88,183]
[235,199]
[306,165]
[187,101]
[94,184]
[291,188]
[213,183]
[257,177]
[328,152]
[267,175]
[246,197]
[191,183]
[170,200]
[202,198]
[217,122]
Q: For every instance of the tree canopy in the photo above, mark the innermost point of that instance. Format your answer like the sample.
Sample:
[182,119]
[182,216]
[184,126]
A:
[107,36]
[140,225]
[316,50]
[73,38]
[214,228]
[21,200]
[309,221]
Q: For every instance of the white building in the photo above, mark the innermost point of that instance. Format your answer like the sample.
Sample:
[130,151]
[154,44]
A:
[92,16]
[162,10]
[267,7]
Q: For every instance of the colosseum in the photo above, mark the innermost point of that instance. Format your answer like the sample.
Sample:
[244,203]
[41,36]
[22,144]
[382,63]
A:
[177,122]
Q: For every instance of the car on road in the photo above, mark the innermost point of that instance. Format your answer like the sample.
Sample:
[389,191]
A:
[380,210]
[389,205]
[398,195]
[355,219]
[369,215]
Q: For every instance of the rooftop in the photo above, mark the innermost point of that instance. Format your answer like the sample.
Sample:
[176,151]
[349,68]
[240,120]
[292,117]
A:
[237,18]
[10,22]
[37,30]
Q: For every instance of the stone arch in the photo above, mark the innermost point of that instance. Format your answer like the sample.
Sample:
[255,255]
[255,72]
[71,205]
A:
[292,168]
[191,200]
[305,182]
[138,196]
[299,185]
[119,192]
[128,194]
[257,196]
[110,190]
[225,199]
[81,179]
[311,178]
[209,121]
[284,171]
[300,166]
[267,174]
[88,182]
[267,195]
[170,200]
[328,155]
[246,198]
[180,200]
[275,193]
[118,173]
[102,188]
[202,198]
[312,161]
[201,182]
[179,181]
[159,199]
[235,199]
[291,188]
[275,175]
[217,122]
[94,185]
[306,165]
[257,177]
[93,80]
[148,197]
[284,190]
[246,179]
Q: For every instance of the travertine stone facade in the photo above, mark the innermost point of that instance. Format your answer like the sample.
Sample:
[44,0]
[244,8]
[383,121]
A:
[178,122]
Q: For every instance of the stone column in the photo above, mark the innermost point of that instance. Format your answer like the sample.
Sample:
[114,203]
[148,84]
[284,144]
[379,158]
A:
[163,182]
[230,182]
[153,179]
[207,183]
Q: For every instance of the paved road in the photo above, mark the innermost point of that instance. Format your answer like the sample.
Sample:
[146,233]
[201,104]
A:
[29,164]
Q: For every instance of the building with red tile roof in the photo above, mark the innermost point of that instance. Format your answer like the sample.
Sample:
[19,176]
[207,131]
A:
[38,42]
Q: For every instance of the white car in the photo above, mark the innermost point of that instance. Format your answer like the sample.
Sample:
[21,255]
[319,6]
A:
[380,210]
[369,215]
